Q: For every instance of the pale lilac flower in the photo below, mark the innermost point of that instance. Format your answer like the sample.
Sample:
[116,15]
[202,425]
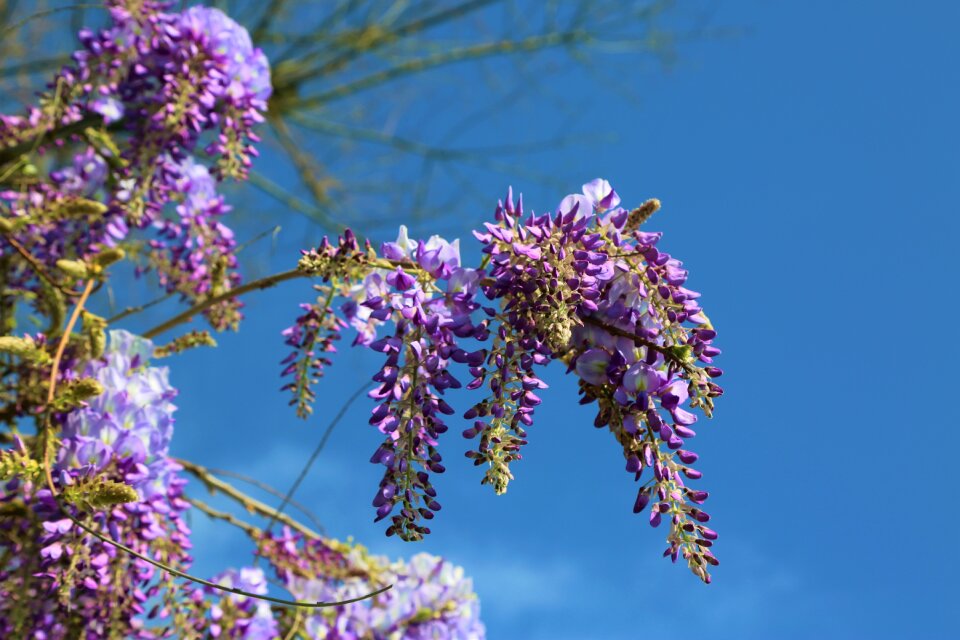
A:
[132,419]
[601,195]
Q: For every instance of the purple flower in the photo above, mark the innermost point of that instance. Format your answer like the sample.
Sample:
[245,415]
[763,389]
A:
[246,67]
[132,419]
[592,366]
[438,257]
[601,195]
[85,177]
[110,108]
[640,377]
[431,598]
[597,197]
[250,619]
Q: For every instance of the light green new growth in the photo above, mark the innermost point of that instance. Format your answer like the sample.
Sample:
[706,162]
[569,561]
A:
[189,340]
[17,463]
[95,494]
[24,348]
[74,393]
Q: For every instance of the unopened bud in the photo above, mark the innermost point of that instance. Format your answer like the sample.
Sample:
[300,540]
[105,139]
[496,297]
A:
[73,268]
[641,214]
[108,256]
[86,388]
[16,346]
[83,207]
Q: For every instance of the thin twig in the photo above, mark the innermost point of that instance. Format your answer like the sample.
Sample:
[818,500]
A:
[315,454]
[254,532]
[272,491]
[271,188]
[262,283]
[129,311]
[38,267]
[382,38]
[253,505]
[54,370]
[186,576]
[303,163]
[451,56]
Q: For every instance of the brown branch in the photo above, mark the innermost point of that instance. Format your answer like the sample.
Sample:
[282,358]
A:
[262,283]
[54,370]
[272,491]
[254,532]
[253,505]
[38,267]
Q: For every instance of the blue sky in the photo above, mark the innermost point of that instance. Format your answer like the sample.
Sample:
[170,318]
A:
[808,173]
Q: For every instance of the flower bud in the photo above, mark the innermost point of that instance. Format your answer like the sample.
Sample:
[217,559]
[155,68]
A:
[73,268]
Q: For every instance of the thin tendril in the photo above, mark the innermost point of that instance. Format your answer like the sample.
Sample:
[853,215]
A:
[272,491]
[316,452]
[213,585]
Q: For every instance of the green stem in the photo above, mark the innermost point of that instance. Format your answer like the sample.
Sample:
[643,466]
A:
[213,585]
[262,283]
[215,484]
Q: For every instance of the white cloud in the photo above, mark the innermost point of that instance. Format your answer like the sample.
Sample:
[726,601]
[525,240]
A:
[517,587]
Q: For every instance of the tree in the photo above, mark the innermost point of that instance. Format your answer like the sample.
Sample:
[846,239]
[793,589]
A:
[121,162]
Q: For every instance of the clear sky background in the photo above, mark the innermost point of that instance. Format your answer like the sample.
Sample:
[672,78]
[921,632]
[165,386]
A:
[808,169]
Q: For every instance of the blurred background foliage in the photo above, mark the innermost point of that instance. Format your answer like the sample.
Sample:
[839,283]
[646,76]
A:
[392,111]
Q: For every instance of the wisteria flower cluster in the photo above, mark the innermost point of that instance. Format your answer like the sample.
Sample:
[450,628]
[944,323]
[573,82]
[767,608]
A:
[62,583]
[131,419]
[583,285]
[430,597]
[144,99]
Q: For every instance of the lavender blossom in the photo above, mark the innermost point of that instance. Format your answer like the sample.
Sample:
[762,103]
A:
[194,254]
[131,420]
[430,598]
[242,617]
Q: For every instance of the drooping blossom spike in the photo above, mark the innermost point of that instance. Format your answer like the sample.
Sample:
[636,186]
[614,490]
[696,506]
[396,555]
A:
[312,337]
[430,597]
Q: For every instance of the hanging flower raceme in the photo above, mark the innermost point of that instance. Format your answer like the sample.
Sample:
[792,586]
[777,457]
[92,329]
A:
[583,285]
[430,597]
[430,302]
[422,289]
[312,336]
[194,254]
